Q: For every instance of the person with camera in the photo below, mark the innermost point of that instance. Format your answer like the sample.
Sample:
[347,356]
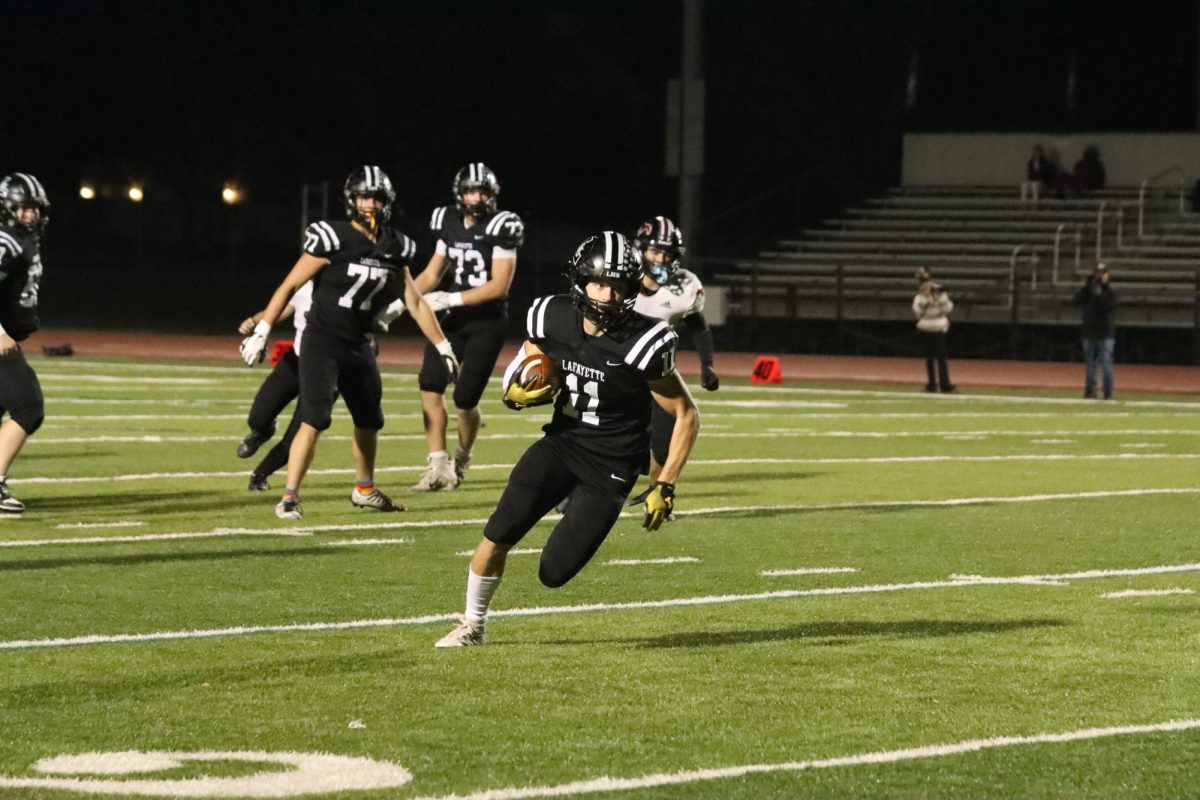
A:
[1099,304]
[932,307]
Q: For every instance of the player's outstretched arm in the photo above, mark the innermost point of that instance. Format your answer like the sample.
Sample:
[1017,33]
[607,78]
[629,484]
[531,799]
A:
[254,345]
[428,323]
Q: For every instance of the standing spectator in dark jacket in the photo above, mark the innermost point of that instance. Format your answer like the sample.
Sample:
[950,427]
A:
[1099,303]
[1041,174]
[1089,171]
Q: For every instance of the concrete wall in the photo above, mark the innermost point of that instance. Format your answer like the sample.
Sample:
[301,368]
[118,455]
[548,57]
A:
[998,159]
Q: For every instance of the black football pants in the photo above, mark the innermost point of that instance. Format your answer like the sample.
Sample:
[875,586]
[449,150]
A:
[549,471]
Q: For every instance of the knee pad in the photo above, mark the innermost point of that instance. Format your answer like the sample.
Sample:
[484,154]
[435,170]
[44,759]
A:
[467,393]
[321,420]
[552,576]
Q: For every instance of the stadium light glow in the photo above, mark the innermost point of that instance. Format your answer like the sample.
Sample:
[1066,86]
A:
[231,194]
[135,193]
[87,191]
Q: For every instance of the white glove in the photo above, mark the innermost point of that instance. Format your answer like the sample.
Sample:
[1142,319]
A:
[389,314]
[440,301]
[254,346]
[449,359]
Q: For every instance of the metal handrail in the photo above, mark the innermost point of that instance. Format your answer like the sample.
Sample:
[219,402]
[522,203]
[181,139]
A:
[1142,196]
[1054,281]
[1100,229]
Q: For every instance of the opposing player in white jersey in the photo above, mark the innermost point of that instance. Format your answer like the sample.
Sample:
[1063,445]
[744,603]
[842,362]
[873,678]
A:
[676,296]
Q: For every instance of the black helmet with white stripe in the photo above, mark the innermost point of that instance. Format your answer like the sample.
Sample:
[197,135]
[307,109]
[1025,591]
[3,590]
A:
[22,190]
[368,181]
[661,234]
[476,177]
[606,257]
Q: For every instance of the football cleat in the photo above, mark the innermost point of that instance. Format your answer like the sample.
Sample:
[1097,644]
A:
[437,477]
[8,503]
[258,483]
[375,500]
[461,463]
[288,508]
[254,440]
[467,634]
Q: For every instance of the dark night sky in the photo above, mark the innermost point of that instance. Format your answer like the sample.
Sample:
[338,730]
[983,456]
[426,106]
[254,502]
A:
[564,99]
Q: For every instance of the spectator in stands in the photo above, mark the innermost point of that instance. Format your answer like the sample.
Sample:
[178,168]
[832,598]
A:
[1041,174]
[932,306]
[1099,304]
[1089,172]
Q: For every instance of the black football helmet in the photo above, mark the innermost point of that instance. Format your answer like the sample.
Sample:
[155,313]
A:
[478,176]
[662,234]
[21,190]
[606,256]
[368,181]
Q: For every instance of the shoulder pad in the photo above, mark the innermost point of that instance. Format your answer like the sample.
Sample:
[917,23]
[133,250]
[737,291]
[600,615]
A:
[537,319]
[437,220]
[11,244]
[321,239]
[506,229]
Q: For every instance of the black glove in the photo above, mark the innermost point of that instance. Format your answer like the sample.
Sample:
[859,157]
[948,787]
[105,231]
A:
[709,379]
[659,503]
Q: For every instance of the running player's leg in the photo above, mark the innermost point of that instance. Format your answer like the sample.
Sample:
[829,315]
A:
[432,380]
[362,391]
[21,396]
[595,507]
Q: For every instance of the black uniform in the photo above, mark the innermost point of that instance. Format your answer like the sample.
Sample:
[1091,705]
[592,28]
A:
[20,276]
[596,443]
[475,332]
[348,293]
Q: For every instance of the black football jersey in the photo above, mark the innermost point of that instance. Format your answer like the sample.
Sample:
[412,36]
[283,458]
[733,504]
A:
[348,291]
[604,404]
[20,277]
[470,250]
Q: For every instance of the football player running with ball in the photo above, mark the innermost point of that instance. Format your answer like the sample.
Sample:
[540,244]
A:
[611,363]
[359,269]
[672,294]
[24,212]
[480,243]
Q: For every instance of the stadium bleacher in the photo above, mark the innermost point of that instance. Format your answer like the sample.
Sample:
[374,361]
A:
[1002,260]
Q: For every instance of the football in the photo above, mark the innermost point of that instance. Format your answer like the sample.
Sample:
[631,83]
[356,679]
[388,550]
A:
[537,371]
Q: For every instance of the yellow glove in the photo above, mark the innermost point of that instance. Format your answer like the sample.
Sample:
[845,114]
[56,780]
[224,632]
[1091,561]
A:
[660,500]
[516,397]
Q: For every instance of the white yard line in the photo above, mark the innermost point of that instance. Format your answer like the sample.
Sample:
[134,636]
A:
[146,476]
[70,525]
[148,537]
[774,573]
[702,511]
[364,542]
[519,551]
[1146,593]
[610,784]
[962,582]
[633,562]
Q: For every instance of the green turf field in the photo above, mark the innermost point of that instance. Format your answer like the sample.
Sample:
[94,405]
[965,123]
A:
[868,592]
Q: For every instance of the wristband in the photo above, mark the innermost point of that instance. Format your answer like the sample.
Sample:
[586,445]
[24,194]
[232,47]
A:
[454,299]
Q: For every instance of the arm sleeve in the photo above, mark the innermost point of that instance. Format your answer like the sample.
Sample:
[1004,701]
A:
[699,329]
